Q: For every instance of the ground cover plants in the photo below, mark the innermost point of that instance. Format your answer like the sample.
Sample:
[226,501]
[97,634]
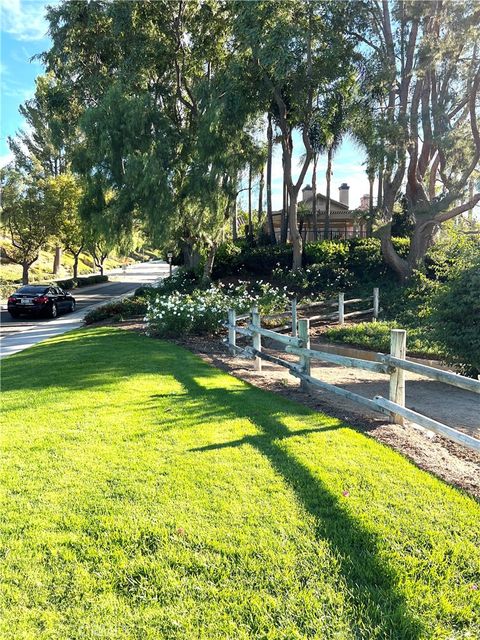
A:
[161,498]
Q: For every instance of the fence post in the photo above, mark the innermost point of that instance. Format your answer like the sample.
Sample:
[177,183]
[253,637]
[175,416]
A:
[341,308]
[257,338]
[398,348]
[376,303]
[304,361]
[294,318]
[232,334]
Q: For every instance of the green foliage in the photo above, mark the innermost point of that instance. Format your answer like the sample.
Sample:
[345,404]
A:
[330,265]
[164,499]
[454,319]
[82,281]
[118,310]
[203,310]
[26,217]
[375,336]
[257,260]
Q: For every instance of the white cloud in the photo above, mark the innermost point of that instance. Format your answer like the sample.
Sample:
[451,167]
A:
[6,159]
[24,19]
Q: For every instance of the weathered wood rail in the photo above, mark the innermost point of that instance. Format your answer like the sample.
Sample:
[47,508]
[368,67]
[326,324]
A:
[394,364]
[339,315]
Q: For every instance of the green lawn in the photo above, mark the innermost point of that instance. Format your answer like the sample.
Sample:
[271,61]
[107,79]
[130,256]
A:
[147,495]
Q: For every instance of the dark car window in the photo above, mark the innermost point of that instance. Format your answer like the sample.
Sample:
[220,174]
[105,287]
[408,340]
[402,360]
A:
[33,291]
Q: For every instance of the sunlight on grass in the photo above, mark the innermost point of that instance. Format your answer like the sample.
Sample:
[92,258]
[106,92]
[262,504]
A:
[149,495]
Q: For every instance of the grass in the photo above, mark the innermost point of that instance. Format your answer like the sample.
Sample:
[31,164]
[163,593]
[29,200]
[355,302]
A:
[147,495]
[376,336]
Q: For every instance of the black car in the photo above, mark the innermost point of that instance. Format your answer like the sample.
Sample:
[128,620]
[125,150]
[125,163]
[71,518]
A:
[40,300]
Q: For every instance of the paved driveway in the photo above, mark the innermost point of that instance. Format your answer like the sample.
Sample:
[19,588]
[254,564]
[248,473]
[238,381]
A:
[21,333]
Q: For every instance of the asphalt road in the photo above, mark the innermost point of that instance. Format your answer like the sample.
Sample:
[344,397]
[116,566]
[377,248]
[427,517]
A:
[19,333]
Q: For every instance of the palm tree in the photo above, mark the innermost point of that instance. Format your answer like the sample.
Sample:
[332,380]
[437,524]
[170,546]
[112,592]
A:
[334,140]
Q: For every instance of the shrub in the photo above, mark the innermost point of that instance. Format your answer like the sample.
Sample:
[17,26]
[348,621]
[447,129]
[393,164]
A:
[86,281]
[82,281]
[7,288]
[232,258]
[117,310]
[203,310]
[327,252]
[454,320]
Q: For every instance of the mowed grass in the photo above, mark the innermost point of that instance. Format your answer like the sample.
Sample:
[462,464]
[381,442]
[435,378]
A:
[148,495]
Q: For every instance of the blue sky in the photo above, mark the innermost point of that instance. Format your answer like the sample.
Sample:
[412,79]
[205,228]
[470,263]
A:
[24,34]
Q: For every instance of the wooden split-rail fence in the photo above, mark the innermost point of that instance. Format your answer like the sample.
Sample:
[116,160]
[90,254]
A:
[393,364]
[327,311]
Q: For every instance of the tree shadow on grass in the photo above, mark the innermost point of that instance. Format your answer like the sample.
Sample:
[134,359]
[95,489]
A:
[382,610]
[83,361]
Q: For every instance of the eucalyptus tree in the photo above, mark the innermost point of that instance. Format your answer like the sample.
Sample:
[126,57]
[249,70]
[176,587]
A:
[45,145]
[152,84]
[295,53]
[425,62]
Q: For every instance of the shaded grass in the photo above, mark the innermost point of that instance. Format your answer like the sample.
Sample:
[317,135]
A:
[152,496]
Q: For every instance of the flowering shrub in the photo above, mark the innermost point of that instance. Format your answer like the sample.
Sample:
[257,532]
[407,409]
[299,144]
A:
[203,311]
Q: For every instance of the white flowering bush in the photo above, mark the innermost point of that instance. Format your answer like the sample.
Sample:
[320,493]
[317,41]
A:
[204,310]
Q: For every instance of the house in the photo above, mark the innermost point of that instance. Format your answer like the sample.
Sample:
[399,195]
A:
[344,223]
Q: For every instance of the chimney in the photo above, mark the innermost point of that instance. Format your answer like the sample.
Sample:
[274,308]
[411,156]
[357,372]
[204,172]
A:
[307,193]
[343,193]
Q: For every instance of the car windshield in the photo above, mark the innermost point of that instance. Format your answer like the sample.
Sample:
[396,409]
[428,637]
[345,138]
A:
[34,291]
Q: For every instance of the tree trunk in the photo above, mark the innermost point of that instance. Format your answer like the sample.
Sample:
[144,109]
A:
[326,228]
[260,196]
[191,257]
[380,187]
[57,260]
[76,257]
[250,225]
[25,269]
[234,221]
[271,228]
[284,222]
[208,266]
[370,208]
[295,237]
[314,201]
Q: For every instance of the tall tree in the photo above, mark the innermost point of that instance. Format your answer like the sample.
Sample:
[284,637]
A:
[46,144]
[271,228]
[285,45]
[425,113]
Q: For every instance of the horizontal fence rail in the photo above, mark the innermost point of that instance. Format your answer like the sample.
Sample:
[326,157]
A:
[325,356]
[429,423]
[446,377]
[394,365]
[324,307]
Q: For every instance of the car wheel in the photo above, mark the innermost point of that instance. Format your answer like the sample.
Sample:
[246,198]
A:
[14,314]
[54,311]
[72,306]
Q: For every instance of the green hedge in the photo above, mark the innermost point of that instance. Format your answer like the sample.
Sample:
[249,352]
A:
[82,281]
[454,320]
[362,257]
[118,310]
